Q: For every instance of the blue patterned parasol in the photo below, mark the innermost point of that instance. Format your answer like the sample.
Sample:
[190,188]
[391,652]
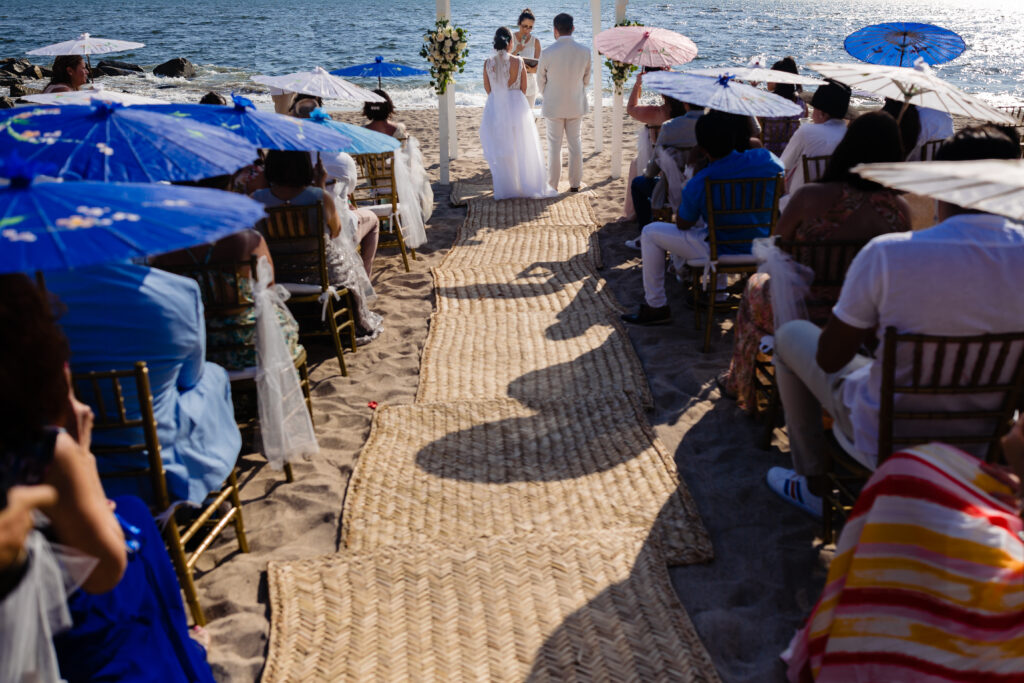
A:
[47,225]
[108,141]
[364,140]
[266,130]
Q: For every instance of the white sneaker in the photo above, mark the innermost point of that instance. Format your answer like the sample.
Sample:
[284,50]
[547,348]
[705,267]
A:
[633,244]
[792,488]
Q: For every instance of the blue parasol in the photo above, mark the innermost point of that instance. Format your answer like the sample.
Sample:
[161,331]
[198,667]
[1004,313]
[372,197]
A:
[901,43]
[62,225]
[364,140]
[722,94]
[266,130]
[379,68]
[108,141]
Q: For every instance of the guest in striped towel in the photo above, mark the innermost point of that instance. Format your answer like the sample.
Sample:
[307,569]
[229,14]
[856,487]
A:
[928,579]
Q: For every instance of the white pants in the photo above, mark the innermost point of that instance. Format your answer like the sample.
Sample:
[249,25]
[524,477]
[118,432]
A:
[658,238]
[570,129]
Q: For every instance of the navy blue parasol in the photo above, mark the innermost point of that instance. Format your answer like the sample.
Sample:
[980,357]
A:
[379,68]
[901,43]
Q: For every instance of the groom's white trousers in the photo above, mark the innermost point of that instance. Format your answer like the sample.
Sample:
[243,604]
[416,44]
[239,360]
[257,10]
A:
[569,128]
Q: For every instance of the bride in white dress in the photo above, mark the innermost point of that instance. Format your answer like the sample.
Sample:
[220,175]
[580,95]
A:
[508,132]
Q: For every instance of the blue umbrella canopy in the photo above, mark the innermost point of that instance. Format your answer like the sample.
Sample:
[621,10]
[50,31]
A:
[900,43]
[110,142]
[378,68]
[364,140]
[722,93]
[47,225]
[266,130]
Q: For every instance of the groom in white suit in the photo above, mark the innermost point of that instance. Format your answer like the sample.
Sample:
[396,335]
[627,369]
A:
[562,77]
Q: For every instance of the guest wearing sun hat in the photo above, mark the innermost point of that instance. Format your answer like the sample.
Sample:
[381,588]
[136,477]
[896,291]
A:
[819,138]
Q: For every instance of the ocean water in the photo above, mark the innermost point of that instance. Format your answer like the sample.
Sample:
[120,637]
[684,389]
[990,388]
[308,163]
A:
[231,40]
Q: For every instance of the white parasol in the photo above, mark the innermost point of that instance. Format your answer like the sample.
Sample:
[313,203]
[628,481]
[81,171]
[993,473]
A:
[90,95]
[757,74]
[990,185]
[320,83]
[917,85]
[86,45]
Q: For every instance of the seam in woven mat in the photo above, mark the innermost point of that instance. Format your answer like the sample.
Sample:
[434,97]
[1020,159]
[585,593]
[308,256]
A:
[504,609]
[509,288]
[444,364]
[448,486]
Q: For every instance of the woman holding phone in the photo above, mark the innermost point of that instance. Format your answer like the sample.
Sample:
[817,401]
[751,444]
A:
[526,45]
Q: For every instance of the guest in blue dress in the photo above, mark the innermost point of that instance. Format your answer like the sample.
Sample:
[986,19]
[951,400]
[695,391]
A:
[126,622]
[119,314]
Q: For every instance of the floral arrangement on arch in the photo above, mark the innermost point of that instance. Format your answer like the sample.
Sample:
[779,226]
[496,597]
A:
[445,48]
[620,70]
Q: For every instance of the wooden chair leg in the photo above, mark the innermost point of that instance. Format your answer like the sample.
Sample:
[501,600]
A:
[401,241]
[695,290]
[288,475]
[350,304]
[243,542]
[771,415]
[304,383]
[172,539]
[332,324]
[710,304]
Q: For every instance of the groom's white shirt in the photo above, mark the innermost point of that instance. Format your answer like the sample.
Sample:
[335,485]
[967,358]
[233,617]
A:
[562,78]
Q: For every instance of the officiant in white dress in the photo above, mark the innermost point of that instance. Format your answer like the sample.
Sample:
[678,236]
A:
[508,132]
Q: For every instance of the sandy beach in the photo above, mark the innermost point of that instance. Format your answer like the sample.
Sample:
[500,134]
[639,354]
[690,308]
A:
[768,567]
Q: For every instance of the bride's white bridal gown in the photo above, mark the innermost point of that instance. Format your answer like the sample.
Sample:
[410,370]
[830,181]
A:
[508,133]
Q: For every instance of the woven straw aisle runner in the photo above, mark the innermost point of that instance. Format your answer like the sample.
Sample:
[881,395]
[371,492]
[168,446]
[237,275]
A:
[515,523]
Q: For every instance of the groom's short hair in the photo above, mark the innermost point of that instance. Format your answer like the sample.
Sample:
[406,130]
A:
[563,22]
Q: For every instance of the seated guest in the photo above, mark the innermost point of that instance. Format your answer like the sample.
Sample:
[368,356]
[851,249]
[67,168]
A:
[652,117]
[937,281]
[909,122]
[359,224]
[293,182]
[675,139]
[69,73]
[127,621]
[935,125]
[213,98]
[840,206]
[120,314]
[778,131]
[380,113]
[230,330]
[830,102]
[926,578]
[716,140]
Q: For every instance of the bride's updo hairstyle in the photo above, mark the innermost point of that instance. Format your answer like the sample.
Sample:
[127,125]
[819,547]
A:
[502,37]
[526,14]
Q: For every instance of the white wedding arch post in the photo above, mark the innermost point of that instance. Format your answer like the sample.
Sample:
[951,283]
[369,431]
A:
[449,142]
[595,76]
[616,169]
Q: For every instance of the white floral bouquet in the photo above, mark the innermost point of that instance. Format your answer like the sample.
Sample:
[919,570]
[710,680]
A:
[620,70]
[445,49]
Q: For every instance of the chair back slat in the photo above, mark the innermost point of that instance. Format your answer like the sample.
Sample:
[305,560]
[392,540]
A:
[814,167]
[740,210]
[960,390]
[293,235]
[377,179]
[129,436]
[226,290]
[930,148]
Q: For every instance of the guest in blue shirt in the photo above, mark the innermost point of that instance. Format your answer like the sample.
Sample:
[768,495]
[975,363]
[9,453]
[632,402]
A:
[717,137]
[120,314]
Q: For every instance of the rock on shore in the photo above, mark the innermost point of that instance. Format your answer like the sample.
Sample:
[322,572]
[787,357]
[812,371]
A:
[179,67]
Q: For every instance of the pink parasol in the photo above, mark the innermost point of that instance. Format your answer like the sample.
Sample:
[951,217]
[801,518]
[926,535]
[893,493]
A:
[645,46]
